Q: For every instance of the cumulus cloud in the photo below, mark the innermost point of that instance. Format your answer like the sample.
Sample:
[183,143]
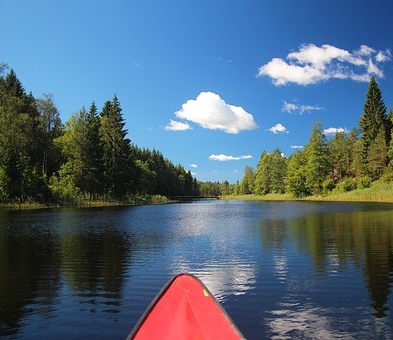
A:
[297,146]
[225,158]
[193,165]
[211,112]
[313,64]
[333,131]
[278,128]
[177,126]
[294,107]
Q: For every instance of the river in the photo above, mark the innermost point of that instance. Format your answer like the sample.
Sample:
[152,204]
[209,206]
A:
[281,270]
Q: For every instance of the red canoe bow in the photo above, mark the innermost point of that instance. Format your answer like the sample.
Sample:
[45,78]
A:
[185,309]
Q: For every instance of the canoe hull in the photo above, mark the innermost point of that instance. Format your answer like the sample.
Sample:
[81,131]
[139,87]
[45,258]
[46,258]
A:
[185,309]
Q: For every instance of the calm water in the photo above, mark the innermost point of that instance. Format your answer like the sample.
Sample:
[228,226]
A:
[280,269]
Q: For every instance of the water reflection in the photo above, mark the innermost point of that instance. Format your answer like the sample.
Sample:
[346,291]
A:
[334,241]
[29,270]
[281,269]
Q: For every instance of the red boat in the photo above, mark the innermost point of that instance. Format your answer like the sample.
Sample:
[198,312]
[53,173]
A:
[185,309]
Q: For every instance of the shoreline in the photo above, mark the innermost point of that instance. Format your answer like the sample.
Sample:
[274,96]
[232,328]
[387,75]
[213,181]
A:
[378,193]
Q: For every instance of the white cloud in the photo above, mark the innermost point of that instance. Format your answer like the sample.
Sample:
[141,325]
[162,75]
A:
[278,128]
[333,131]
[224,158]
[297,146]
[177,126]
[294,107]
[313,64]
[193,165]
[211,112]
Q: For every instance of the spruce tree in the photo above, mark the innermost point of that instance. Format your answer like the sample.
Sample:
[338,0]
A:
[372,121]
[94,161]
[115,149]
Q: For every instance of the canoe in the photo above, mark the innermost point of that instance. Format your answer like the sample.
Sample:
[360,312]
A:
[185,309]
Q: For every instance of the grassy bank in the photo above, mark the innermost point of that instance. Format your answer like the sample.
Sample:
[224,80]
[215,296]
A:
[378,192]
[136,200]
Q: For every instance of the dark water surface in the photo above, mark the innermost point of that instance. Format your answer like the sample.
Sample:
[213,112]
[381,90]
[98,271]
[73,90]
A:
[281,269]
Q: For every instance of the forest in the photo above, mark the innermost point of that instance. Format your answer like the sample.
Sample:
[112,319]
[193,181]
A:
[347,161]
[89,158]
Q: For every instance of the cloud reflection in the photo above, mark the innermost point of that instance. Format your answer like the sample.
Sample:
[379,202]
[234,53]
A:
[292,320]
[224,279]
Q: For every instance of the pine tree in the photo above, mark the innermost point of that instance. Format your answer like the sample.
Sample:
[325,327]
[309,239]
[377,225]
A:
[115,149]
[372,121]
[94,155]
[20,178]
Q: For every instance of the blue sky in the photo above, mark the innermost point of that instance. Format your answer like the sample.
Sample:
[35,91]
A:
[210,84]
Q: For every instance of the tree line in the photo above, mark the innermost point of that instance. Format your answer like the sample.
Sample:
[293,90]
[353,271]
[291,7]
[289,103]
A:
[87,158]
[347,161]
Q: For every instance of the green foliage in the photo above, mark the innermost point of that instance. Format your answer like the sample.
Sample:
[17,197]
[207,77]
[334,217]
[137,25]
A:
[364,182]
[247,183]
[270,173]
[63,186]
[90,157]
[317,166]
[373,125]
[345,185]
[328,185]
[296,174]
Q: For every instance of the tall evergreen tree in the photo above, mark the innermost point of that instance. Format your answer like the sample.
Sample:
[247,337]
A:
[19,175]
[115,149]
[94,154]
[372,121]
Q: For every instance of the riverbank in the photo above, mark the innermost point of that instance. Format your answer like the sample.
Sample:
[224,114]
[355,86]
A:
[137,200]
[381,192]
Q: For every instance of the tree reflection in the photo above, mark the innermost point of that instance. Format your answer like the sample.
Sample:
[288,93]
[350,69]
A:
[29,272]
[94,265]
[362,238]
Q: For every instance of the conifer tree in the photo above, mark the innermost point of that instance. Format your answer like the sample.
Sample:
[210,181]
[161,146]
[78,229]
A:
[94,155]
[372,122]
[20,178]
[115,149]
